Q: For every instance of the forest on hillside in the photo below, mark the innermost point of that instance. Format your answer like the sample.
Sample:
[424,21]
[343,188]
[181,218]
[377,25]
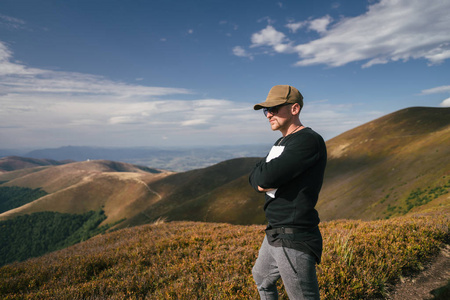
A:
[35,234]
[15,196]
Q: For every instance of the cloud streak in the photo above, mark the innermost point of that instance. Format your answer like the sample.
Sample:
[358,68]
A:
[65,108]
[390,30]
[11,23]
[437,90]
[444,89]
[44,108]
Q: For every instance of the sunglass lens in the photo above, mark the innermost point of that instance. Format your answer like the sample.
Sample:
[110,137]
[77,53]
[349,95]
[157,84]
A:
[273,110]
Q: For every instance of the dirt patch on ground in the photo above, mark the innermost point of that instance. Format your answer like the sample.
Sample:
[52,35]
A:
[432,283]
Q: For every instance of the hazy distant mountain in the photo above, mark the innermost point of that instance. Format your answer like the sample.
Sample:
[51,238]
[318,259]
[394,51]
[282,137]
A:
[12,163]
[174,159]
[387,167]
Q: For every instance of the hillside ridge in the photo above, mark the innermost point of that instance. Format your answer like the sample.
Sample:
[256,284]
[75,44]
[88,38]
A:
[12,163]
[380,169]
[375,168]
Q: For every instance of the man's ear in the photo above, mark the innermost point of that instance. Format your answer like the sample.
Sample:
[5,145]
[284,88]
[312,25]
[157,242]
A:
[296,108]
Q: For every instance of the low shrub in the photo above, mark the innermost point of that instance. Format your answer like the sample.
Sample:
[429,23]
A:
[188,260]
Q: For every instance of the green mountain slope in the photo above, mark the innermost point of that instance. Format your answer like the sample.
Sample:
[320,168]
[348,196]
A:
[373,169]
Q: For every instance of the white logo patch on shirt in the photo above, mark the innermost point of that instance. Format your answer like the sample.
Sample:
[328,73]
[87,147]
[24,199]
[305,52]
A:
[274,153]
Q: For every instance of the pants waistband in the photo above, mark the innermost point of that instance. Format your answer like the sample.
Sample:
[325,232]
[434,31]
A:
[286,230]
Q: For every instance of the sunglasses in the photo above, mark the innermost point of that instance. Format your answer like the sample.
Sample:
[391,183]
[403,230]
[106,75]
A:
[274,109]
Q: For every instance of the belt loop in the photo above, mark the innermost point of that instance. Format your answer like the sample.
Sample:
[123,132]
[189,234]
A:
[282,230]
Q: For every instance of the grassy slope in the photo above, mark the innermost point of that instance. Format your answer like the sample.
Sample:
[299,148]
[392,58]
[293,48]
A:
[119,188]
[378,164]
[198,195]
[187,260]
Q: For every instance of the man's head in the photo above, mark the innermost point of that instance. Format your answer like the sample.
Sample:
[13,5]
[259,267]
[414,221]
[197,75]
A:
[282,108]
[281,94]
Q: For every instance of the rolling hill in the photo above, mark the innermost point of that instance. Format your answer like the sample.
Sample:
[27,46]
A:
[119,188]
[219,193]
[137,195]
[12,163]
[387,167]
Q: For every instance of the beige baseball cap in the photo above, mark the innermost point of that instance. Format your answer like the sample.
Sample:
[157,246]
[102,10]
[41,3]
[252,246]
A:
[281,94]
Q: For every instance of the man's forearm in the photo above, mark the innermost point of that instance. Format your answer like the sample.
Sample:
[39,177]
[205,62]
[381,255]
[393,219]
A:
[260,189]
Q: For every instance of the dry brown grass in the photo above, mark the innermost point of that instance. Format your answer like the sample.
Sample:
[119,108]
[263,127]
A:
[188,260]
[81,187]
[378,164]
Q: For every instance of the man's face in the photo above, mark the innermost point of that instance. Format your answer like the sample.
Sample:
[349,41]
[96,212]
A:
[281,117]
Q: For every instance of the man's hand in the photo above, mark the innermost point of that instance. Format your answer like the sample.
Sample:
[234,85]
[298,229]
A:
[264,190]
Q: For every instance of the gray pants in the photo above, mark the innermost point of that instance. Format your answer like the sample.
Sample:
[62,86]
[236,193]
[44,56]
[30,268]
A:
[296,269]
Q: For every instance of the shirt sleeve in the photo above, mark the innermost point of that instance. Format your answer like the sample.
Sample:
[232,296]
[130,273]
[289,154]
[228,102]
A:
[300,153]
[253,178]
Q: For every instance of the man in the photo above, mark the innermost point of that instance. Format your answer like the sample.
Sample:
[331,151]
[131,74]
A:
[291,176]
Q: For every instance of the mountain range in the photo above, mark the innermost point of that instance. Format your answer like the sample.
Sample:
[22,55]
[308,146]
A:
[176,159]
[387,167]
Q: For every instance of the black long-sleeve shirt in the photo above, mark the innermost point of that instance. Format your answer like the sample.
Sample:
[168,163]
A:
[295,167]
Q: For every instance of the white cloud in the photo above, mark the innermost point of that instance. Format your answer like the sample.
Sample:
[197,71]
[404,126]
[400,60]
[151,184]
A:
[444,89]
[294,27]
[241,52]
[320,25]
[17,78]
[267,37]
[11,22]
[437,90]
[390,30]
[196,122]
[445,103]
[9,68]
[42,108]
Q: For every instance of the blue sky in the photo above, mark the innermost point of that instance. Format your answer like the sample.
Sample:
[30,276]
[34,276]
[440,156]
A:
[187,73]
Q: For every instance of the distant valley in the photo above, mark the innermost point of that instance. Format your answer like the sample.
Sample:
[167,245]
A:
[172,159]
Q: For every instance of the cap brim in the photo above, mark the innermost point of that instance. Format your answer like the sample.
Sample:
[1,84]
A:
[271,103]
